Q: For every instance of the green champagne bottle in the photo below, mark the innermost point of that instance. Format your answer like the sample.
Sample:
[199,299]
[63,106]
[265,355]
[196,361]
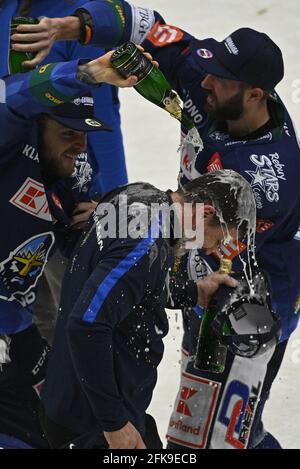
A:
[211,353]
[16,58]
[152,84]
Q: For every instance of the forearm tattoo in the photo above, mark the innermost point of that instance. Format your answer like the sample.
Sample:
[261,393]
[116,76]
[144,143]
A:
[84,74]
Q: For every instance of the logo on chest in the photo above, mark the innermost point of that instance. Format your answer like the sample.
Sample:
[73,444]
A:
[31,198]
[21,270]
[266,177]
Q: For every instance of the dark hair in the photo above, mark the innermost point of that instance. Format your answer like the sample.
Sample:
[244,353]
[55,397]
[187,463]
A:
[229,193]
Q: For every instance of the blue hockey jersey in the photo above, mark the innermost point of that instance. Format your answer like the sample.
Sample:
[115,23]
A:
[30,209]
[270,162]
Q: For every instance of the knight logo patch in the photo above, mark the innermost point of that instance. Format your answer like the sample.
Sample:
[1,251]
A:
[22,269]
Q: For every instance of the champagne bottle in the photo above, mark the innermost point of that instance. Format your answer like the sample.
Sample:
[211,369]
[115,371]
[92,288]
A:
[16,58]
[152,84]
[211,353]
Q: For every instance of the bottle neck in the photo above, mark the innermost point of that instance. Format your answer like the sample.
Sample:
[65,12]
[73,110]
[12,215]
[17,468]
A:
[186,121]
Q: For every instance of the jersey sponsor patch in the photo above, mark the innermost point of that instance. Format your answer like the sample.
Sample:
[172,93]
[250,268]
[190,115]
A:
[263,225]
[31,198]
[22,269]
[164,34]
[142,21]
[215,163]
[198,268]
[193,411]
[239,402]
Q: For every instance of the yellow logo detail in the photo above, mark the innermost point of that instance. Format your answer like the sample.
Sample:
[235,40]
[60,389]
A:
[30,261]
[121,14]
[44,68]
[93,123]
[53,98]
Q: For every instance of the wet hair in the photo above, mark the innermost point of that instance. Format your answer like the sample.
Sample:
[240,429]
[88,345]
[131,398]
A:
[228,192]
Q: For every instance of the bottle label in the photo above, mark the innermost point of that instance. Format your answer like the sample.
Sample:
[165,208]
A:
[137,64]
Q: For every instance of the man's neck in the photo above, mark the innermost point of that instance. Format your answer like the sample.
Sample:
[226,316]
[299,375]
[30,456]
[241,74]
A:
[249,123]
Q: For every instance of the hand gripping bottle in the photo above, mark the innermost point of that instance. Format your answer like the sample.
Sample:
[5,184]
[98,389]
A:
[16,58]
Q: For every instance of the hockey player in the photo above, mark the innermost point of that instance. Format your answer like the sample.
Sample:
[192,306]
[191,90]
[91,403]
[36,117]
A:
[228,90]
[108,340]
[105,149]
[39,144]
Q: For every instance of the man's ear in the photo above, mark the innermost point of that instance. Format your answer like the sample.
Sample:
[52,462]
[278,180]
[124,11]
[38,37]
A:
[209,211]
[255,94]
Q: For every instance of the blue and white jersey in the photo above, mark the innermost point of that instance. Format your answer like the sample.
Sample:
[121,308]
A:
[270,161]
[31,210]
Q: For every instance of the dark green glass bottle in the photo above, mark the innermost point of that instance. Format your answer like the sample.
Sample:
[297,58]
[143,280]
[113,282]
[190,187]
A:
[16,58]
[211,353]
[152,84]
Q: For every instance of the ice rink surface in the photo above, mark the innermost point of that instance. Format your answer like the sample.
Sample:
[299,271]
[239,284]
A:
[151,139]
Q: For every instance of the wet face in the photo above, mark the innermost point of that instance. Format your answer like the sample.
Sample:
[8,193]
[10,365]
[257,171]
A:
[59,148]
[225,100]
[215,235]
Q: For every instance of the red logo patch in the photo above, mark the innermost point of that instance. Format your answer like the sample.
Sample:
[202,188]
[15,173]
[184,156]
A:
[31,198]
[186,393]
[163,34]
[263,225]
[215,163]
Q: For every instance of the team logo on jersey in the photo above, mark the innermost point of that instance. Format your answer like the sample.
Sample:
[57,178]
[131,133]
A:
[31,198]
[82,173]
[266,177]
[205,53]
[22,269]
[163,34]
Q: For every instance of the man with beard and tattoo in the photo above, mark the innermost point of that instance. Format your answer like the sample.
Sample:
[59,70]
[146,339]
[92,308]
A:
[43,126]
[227,90]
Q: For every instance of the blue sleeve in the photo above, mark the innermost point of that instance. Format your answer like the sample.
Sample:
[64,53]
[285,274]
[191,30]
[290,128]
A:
[115,287]
[118,21]
[106,149]
[36,92]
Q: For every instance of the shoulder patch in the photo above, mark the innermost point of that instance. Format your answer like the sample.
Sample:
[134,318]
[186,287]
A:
[164,34]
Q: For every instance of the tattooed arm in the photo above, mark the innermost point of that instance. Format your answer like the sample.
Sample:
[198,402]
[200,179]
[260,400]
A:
[100,71]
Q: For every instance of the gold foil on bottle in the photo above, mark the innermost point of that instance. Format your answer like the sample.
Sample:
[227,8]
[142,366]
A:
[225,266]
[172,105]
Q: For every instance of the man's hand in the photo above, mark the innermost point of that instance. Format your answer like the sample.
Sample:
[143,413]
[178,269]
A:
[126,438]
[39,38]
[210,284]
[81,214]
[101,71]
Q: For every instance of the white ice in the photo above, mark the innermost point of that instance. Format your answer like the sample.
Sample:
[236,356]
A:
[151,139]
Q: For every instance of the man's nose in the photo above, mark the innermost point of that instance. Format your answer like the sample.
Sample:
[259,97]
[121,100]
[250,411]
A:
[80,142]
[207,82]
